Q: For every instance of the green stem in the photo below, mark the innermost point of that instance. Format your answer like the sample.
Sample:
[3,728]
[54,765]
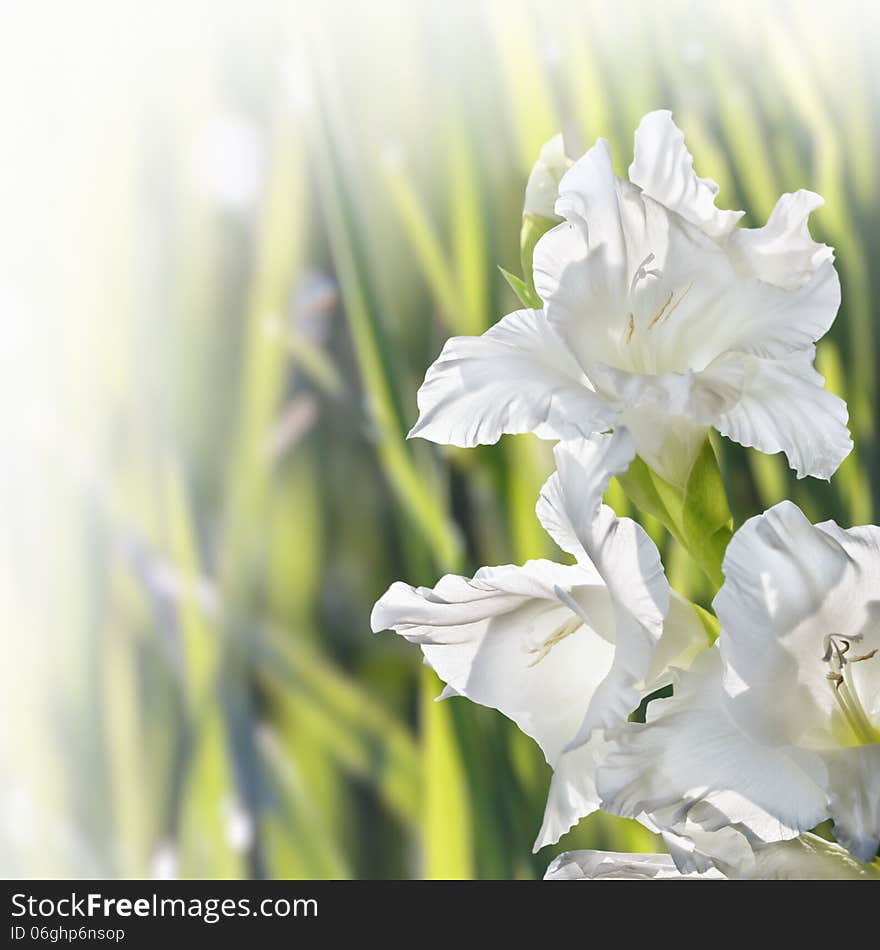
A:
[697,516]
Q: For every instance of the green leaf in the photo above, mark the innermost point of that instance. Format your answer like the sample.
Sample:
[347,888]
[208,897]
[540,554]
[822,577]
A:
[354,728]
[299,841]
[447,826]
[425,243]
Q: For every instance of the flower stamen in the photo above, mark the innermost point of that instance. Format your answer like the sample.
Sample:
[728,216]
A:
[665,314]
[675,306]
[845,692]
[659,313]
[565,629]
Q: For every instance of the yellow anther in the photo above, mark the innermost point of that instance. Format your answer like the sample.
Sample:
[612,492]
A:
[564,630]
[673,308]
[659,313]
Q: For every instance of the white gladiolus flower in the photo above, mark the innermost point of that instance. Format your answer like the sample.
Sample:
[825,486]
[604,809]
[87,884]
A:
[801,859]
[778,728]
[565,651]
[660,314]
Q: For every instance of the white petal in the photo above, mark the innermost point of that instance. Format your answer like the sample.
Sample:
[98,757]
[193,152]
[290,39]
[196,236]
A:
[787,585]
[584,296]
[669,394]
[684,638]
[619,866]
[780,405]
[591,194]
[695,849]
[572,793]
[669,444]
[610,226]
[714,310]
[572,496]
[664,169]
[517,377]
[808,858]
[735,854]
[491,639]
[417,612]
[782,252]
[854,791]
[770,321]
[692,756]
[542,188]
[624,556]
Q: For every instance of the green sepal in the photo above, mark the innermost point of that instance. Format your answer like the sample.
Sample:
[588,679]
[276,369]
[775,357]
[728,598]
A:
[527,297]
[711,624]
[534,227]
[698,516]
[653,496]
[706,519]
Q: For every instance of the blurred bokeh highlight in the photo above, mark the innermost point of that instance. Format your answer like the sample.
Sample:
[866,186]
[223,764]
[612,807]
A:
[234,236]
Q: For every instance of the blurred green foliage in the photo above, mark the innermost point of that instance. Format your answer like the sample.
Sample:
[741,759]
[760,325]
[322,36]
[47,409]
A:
[223,708]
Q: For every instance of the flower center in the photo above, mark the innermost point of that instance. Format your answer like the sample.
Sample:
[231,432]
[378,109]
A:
[666,308]
[837,649]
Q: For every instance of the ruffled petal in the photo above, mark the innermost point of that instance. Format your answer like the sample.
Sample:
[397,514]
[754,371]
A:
[780,405]
[691,757]
[769,321]
[782,252]
[517,377]
[509,638]
[572,496]
[624,556]
[664,169]
[572,793]
[805,858]
[619,866]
